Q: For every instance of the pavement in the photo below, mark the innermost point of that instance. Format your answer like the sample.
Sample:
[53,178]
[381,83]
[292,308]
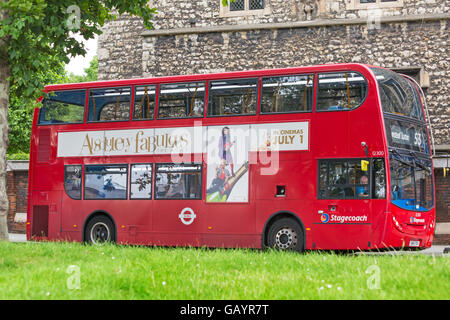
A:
[437,250]
[17,237]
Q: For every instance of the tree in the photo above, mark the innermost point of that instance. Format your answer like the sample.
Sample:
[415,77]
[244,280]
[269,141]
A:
[35,37]
[20,115]
[21,110]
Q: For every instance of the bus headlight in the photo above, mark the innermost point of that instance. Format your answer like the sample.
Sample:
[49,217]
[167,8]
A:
[397,224]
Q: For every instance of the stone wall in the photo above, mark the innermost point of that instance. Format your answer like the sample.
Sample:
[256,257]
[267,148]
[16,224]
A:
[206,13]
[126,50]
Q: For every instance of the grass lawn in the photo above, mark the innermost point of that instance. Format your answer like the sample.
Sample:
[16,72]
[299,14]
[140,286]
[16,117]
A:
[76,271]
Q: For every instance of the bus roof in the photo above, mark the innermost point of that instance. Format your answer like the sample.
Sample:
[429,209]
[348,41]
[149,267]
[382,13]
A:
[208,76]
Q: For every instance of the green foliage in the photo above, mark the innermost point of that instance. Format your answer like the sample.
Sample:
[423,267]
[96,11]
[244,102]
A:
[20,115]
[38,35]
[38,38]
[92,70]
[225,2]
[18,156]
[20,120]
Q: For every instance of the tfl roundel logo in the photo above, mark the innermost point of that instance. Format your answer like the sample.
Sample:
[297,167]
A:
[187,216]
[324,218]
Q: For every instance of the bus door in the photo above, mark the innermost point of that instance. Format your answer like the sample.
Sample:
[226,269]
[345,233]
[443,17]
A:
[178,214]
[342,210]
[71,217]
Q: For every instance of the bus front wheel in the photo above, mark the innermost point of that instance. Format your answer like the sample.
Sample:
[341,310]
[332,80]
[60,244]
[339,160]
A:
[285,234]
[99,230]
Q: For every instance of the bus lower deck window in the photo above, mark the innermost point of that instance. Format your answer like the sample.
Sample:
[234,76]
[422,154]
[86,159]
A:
[346,179]
[178,181]
[141,181]
[72,181]
[105,182]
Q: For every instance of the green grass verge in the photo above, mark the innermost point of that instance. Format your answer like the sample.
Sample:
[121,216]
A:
[43,271]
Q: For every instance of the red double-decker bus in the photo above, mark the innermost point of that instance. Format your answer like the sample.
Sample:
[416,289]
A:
[320,157]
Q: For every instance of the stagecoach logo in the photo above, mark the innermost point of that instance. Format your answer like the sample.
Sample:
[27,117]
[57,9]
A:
[187,216]
[415,220]
[324,218]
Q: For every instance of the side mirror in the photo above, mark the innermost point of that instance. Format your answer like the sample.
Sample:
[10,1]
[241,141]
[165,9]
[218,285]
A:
[366,148]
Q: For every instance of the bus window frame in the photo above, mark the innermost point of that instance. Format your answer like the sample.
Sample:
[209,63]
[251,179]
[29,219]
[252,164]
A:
[173,163]
[316,93]
[181,82]
[81,177]
[258,98]
[64,123]
[126,165]
[313,74]
[370,190]
[132,118]
[389,118]
[109,121]
[153,174]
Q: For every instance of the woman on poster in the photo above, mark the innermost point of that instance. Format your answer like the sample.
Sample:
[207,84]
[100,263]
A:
[224,148]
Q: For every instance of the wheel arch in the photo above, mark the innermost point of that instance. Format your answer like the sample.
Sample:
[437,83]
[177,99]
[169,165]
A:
[279,215]
[94,214]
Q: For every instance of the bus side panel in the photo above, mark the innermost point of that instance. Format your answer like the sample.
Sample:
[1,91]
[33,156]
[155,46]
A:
[341,236]
[46,210]
[174,225]
[380,223]
[295,174]
[231,225]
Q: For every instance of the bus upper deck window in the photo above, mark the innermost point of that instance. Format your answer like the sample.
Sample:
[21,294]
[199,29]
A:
[181,100]
[62,107]
[144,102]
[109,104]
[232,97]
[293,93]
[340,91]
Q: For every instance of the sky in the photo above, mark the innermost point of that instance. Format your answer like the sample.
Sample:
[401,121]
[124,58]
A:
[79,63]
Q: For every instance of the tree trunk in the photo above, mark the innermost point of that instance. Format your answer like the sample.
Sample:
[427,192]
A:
[4,130]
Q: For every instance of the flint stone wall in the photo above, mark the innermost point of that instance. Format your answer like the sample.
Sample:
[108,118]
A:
[127,50]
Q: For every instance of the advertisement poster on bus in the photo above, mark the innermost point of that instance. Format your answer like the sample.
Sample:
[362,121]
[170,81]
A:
[227,158]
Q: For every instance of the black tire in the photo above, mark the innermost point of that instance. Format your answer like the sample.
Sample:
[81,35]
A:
[285,234]
[100,230]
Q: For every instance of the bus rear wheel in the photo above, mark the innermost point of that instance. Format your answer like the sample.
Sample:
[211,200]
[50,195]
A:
[99,230]
[285,234]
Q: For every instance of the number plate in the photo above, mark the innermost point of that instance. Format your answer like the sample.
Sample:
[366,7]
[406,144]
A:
[414,243]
